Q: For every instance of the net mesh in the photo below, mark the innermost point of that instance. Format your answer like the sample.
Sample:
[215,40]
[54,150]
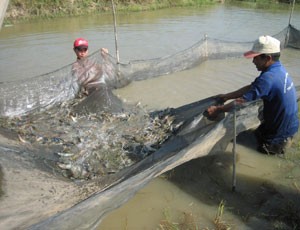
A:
[44,91]
[120,147]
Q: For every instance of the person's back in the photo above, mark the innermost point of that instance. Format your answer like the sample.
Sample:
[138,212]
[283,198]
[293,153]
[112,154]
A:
[275,87]
[280,104]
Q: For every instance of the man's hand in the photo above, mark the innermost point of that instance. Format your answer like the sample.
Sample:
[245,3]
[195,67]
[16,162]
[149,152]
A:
[104,51]
[213,111]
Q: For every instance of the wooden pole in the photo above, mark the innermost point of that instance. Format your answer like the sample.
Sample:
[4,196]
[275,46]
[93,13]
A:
[234,150]
[115,31]
[292,11]
[3,8]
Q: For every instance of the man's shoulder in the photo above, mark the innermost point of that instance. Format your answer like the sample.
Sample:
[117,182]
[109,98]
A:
[277,67]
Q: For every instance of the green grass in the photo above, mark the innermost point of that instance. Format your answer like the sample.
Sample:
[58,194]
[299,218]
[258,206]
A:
[187,221]
[20,10]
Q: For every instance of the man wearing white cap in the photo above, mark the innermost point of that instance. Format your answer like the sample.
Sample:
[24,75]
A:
[275,87]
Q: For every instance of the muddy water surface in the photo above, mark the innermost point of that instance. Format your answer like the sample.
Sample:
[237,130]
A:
[197,187]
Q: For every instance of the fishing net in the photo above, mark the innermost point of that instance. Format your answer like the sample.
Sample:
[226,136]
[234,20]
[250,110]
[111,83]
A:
[44,91]
[89,135]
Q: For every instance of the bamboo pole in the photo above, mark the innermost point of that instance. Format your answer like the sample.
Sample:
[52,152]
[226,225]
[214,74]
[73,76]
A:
[3,8]
[292,11]
[234,150]
[115,31]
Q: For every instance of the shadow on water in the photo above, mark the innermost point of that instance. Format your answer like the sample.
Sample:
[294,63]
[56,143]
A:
[260,202]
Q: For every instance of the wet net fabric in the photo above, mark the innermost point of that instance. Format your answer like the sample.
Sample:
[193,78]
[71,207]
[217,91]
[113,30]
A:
[44,112]
[293,37]
[44,91]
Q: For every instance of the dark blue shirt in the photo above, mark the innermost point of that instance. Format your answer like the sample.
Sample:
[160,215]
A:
[280,113]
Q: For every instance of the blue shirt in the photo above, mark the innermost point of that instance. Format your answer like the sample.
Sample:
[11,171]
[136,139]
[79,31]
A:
[280,113]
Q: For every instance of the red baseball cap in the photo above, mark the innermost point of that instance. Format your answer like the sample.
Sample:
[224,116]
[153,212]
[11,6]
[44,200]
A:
[81,42]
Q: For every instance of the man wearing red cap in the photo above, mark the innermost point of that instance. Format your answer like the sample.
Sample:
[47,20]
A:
[96,80]
[89,74]
[81,48]
[276,88]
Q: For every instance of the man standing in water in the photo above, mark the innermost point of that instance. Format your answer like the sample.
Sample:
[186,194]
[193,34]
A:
[89,74]
[94,81]
[275,87]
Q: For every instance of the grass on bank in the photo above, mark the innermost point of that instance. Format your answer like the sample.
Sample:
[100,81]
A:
[24,10]
[31,9]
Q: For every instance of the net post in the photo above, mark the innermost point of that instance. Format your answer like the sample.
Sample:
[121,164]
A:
[206,46]
[292,10]
[234,149]
[3,8]
[287,36]
[115,31]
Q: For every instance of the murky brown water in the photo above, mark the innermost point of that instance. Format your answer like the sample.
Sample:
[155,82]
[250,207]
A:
[160,198]
[32,49]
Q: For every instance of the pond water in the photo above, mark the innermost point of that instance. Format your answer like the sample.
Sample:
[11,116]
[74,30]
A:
[195,188]
[35,48]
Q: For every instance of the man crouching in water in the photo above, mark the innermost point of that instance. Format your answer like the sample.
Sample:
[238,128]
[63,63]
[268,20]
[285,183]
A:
[90,76]
[276,88]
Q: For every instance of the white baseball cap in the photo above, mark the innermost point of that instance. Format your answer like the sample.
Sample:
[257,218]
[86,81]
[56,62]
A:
[264,45]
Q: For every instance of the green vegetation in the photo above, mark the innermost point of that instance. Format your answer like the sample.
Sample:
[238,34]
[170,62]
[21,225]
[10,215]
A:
[19,10]
[30,9]
[265,4]
[218,221]
[187,221]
